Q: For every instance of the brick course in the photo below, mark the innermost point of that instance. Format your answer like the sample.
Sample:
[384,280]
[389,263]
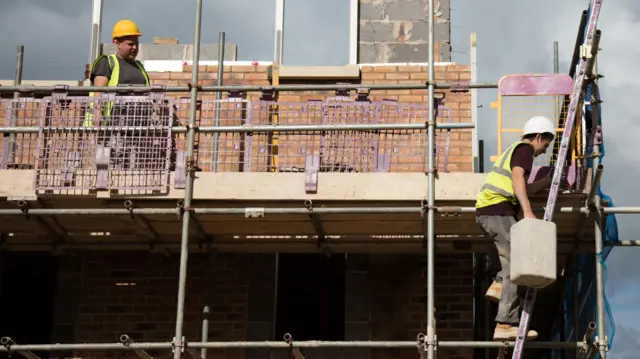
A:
[146,311]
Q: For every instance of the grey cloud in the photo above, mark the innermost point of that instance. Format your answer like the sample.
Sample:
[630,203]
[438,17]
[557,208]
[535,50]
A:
[57,38]
[626,343]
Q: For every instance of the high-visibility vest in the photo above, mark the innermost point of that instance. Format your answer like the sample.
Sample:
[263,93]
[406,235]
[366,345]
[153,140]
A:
[114,80]
[498,186]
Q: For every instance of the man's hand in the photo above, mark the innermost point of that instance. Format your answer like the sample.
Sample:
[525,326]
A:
[529,214]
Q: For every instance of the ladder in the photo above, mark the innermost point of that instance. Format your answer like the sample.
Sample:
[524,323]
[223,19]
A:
[578,82]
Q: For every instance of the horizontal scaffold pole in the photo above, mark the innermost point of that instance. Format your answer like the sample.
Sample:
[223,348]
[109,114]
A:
[244,128]
[284,345]
[461,85]
[635,243]
[263,211]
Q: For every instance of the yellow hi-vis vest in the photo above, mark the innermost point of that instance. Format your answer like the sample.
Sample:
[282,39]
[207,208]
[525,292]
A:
[498,186]
[114,65]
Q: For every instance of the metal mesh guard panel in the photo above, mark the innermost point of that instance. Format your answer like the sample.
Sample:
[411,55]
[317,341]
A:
[18,149]
[337,151]
[111,155]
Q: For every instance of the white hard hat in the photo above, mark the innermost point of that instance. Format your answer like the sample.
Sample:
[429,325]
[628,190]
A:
[539,124]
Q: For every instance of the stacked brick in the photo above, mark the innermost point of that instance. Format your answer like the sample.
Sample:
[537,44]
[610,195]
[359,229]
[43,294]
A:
[458,103]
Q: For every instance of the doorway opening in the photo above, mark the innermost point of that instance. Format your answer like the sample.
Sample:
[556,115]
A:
[28,284]
[311,297]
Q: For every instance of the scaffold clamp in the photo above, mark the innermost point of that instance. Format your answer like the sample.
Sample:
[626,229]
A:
[585,51]
[180,207]
[254,212]
[459,86]
[597,136]
[297,354]
[128,204]
[362,95]
[24,207]
[7,342]
[450,211]
[126,341]
[421,345]
[267,94]
[175,344]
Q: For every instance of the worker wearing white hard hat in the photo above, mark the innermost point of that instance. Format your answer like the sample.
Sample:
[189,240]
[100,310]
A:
[504,193]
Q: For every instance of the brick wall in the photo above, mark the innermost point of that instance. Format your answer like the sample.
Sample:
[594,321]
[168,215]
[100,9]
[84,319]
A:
[146,311]
[389,291]
[459,103]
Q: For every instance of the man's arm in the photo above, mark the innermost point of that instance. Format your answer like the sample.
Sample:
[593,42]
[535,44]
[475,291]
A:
[100,81]
[520,188]
[101,73]
[521,165]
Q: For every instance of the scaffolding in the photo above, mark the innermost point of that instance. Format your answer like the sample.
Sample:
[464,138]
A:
[79,144]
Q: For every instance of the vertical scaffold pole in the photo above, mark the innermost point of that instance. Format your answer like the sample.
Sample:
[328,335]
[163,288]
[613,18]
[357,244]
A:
[96,30]
[188,193]
[576,94]
[13,137]
[431,335]
[602,343]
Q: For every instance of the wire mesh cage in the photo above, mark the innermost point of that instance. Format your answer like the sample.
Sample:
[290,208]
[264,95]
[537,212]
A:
[337,151]
[125,144]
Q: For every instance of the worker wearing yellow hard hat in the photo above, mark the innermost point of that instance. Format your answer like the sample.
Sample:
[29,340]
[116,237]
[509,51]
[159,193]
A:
[504,194]
[120,68]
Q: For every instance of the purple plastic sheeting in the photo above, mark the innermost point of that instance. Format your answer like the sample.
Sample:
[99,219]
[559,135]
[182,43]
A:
[110,158]
[535,84]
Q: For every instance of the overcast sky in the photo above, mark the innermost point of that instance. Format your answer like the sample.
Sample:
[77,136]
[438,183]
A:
[56,38]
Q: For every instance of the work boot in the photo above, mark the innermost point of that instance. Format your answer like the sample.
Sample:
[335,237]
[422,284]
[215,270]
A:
[494,292]
[504,332]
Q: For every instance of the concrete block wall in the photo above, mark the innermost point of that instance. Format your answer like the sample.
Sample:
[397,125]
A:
[135,293]
[397,31]
[181,52]
[459,102]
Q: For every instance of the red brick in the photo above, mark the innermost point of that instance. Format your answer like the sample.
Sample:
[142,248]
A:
[409,68]
[159,76]
[385,69]
[373,76]
[255,76]
[396,76]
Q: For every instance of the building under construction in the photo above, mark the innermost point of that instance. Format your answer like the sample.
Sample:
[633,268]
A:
[278,210]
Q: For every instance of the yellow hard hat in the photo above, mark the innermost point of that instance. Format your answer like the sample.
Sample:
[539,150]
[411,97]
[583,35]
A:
[124,28]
